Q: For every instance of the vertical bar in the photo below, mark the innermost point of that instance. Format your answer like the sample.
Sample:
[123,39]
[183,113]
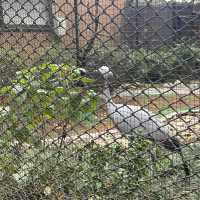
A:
[137,25]
[50,14]
[76,18]
[1,14]
[174,19]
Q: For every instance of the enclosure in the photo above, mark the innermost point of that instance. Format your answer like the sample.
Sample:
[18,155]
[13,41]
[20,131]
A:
[63,136]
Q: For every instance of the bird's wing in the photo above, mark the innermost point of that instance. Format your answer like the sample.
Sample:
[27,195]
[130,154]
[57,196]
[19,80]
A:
[131,119]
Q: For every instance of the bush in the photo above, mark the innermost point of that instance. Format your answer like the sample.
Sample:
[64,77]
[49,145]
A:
[168,65]
[92,172]
[85,172]
[186,61]
[181,61]
[36,97]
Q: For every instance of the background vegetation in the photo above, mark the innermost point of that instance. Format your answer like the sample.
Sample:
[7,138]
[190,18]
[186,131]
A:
[165,64]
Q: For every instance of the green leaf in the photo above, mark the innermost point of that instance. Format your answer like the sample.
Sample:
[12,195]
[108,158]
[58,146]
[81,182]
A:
[45,76]
[33,70]
[53,68]
[5,90]
[49,114]
[99,185]
[60,90]
[86,80]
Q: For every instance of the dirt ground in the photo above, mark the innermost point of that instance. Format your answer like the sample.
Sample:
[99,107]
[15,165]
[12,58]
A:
[185,125]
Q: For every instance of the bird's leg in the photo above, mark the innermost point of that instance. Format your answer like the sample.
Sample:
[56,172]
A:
[131,138]
[185,165]
[174,145]
[64,134]
[153,159]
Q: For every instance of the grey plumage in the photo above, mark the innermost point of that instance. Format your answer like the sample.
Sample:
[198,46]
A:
[135,120]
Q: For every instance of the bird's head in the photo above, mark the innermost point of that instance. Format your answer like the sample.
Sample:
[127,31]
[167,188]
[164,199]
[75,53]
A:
[81,72]
[105,72]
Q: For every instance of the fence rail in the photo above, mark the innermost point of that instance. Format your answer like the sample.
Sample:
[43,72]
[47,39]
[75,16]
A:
[99,100]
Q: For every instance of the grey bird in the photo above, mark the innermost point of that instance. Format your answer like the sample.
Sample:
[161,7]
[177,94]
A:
[135,120]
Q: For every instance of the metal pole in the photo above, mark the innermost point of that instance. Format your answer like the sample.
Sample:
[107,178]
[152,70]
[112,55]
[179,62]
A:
[77,35]
[137,25]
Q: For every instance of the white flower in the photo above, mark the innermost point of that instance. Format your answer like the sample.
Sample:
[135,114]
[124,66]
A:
[18,72]
[7,108]
[42,91]
[85,100]
[4,110]
[47,190]
[23,173]
[92,93]
[17,89]
[20,177]
[77,71]
[104,69]
[65,98]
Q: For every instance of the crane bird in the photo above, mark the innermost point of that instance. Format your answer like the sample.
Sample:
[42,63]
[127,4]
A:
[130,119]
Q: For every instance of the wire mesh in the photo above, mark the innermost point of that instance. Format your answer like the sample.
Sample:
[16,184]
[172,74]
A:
[99,99]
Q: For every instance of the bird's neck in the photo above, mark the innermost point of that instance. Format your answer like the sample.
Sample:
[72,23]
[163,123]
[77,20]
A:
[108,99]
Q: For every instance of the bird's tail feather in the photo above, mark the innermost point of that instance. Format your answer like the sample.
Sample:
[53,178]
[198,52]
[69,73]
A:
[173,144]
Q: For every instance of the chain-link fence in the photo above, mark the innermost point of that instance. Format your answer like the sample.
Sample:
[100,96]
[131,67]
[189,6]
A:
[99,99]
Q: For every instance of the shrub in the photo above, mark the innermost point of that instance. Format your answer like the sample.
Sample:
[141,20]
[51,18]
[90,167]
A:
[154,66]
[187,61]
[36,97]
[180,61]
[85,172]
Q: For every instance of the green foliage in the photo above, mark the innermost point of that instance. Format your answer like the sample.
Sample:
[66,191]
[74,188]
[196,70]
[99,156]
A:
[44,93]
[95,172]
[90,171]
[49,91]
[40,94]
[181,60]
[167,64]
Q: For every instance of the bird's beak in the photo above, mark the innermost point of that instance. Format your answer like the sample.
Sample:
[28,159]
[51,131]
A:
[94,74]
